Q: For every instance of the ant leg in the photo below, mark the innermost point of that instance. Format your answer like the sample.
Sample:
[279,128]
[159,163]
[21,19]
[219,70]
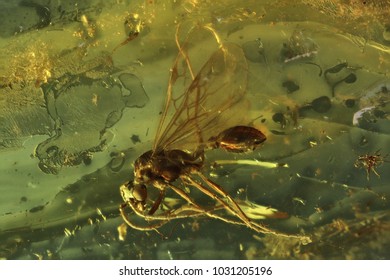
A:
[131,224]
[264,164]
[167,215]
[235,209]
[157,202]
[204,211]
[375,172]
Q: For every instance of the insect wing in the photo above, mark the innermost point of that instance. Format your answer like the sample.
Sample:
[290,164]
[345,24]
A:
[208,105]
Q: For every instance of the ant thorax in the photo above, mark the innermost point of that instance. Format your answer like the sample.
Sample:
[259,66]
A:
[143,171]
[165,165]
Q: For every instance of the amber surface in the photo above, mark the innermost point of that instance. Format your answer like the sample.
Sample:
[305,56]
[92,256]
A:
[83,93]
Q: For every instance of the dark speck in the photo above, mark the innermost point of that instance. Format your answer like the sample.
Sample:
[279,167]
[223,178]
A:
[37,209]
[43,13]
[277,132]
[87,160]
[321,104]
[23,199]
[336,69]
[350,103]
[135,139]
[279,118]
[114,154]
[290,86]
[350,79]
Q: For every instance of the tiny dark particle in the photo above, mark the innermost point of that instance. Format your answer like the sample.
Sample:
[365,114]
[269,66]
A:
[52,150]
[350,79]
[277,132]
[135,139]
[37,209]
[117,163]
[45,16]
[87,160]
[114,154]
[290,86]
[43,13]
[279,118]
[350,103]
[23,199]
[321,104]
[336,69]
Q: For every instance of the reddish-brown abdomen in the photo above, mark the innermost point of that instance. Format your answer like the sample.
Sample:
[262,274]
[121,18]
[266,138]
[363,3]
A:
[239,139]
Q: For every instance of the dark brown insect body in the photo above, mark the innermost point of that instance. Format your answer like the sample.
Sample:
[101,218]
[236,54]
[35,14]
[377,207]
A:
[162,168]
[165,166]
[204,117]
[168,165]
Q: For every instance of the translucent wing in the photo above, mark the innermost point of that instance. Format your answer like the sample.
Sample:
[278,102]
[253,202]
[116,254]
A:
[202,105]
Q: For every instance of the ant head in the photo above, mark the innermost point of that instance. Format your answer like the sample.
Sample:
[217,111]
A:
[133,191]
